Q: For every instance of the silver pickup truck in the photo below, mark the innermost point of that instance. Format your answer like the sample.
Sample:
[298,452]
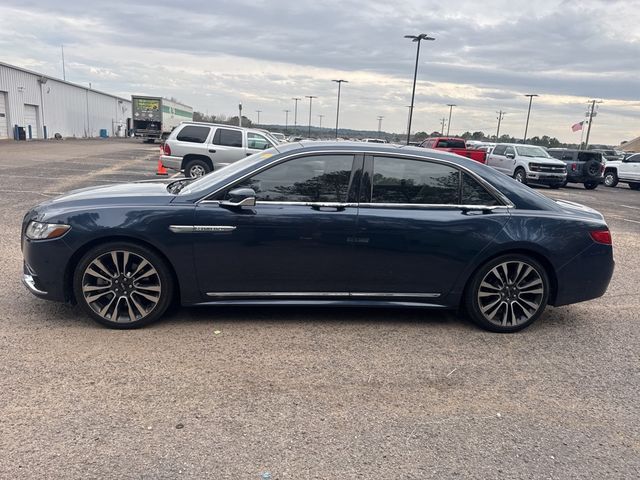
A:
[199,148]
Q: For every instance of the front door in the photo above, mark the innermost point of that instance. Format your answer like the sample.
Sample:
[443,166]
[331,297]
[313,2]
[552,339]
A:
[296,240]
[414,236]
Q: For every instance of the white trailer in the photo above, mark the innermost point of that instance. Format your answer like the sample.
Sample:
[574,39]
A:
[155,117]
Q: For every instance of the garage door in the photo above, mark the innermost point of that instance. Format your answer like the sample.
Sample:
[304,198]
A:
[31,118]
[4,118]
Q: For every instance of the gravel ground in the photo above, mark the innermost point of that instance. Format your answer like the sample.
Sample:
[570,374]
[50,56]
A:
[303,392]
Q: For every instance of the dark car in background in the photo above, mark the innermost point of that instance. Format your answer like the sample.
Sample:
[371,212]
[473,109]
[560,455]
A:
[320,224]
[583,166]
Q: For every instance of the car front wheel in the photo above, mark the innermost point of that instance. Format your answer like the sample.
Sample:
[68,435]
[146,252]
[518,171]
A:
[508,293]
[590,185]
[123,285]
[610,179]
[520,175]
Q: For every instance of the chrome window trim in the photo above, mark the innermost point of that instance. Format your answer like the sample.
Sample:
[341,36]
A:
[433,206]
[201,228]
[323,294]
[492,190]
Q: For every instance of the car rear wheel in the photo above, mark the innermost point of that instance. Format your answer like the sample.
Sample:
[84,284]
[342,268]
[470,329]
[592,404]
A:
[520,175]
[123,285]
[196,168]
[634,186]
[590,185]
[508,293]
[610,178]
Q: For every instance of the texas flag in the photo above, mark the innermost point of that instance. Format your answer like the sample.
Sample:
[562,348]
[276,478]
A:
[577,126]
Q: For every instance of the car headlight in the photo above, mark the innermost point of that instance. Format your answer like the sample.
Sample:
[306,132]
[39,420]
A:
[42,231]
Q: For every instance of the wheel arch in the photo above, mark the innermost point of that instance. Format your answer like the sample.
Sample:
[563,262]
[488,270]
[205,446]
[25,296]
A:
[536,255]
[80,252]
[193,156]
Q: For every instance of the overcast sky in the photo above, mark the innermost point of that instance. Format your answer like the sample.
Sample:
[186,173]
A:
[214,54]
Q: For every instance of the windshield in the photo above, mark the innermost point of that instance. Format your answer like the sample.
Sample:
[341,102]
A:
[531,151]
[213,177]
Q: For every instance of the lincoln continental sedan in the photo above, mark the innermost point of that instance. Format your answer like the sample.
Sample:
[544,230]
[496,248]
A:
[317,223]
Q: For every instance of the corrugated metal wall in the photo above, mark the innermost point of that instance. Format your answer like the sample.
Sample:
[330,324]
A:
[71,110]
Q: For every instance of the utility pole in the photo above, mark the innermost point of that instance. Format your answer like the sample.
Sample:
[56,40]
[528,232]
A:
[240,115]
[417,39]
[258,112]
[320,117]
[339,82]
[443,120]
[286,120]
[380,117]
[592,114]
[450,105]
[526,127]
[310,97]
[64,72]
[500,117]
[295,113]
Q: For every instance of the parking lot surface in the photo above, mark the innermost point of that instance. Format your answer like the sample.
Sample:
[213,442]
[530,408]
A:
[308,392]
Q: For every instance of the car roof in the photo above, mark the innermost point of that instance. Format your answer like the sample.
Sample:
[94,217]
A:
[224,125]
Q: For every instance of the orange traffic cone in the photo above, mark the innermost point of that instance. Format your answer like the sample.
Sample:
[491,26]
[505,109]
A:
[161,169]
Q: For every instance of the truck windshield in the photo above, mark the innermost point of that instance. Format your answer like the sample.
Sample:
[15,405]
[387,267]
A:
[531,151]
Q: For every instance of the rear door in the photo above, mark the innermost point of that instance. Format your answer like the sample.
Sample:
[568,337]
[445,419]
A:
[227,146]
[414,237]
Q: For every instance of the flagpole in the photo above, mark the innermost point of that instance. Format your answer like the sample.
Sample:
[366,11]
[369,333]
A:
[582,135]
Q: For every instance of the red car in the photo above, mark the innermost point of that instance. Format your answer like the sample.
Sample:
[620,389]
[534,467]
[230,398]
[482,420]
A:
[455,145]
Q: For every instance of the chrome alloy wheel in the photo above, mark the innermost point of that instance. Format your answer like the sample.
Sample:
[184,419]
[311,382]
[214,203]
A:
[196,171]
[121,286]
[510,293]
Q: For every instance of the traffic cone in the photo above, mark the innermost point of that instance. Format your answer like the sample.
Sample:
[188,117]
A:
[161,169]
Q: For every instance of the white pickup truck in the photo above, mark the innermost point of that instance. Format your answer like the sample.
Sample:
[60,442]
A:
[528,164]
[625,171]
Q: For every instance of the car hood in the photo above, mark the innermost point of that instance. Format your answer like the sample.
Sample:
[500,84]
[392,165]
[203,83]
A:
[546,161]
[116,192]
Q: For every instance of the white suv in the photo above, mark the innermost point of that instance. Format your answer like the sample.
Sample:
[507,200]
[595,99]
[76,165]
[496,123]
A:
[528,164]
[626,171]
[199,148]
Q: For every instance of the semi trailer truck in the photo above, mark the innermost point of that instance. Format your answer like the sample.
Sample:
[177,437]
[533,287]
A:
[155,117]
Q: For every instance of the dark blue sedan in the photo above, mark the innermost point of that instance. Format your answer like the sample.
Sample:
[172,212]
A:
[320,224]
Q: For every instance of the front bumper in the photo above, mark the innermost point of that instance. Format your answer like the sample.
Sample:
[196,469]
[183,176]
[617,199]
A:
[546,178]
[45,268]
[171,162]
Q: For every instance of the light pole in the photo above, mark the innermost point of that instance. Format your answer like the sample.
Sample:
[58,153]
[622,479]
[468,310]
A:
[450,105]
[339,82]
[295,113]
[380,117]
[286,120]
[320,117]
[592,114]
[310,97]
[500,117]
[417,39]
[443,120]
[239,114]
[526,127]
[258,112]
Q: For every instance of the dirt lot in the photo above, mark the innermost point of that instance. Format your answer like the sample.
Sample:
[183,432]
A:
[308,393]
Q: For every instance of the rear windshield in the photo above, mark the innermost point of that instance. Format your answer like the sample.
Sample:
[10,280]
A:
[452,143]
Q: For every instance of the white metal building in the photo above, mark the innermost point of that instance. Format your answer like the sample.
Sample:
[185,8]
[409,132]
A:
[43,106]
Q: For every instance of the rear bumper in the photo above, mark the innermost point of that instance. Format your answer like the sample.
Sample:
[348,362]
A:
[172,162]
[586,276]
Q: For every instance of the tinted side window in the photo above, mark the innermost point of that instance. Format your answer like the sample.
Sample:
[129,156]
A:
[499,150]
[321,178]
[228,138]
[397,180]
[510,150]
[475,194]
[193,134]
[257,142]
[634,158]
[452,143]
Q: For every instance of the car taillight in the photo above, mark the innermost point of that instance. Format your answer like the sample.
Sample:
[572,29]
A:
[601,236]
[166,149]
[574,166]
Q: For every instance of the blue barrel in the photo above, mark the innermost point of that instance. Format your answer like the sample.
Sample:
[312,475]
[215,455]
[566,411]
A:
[103,133]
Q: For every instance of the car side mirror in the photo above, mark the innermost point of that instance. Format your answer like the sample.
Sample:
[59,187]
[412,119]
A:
[240,197]
[510,155]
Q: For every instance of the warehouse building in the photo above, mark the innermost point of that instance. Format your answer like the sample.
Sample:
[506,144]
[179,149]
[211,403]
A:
[34,106]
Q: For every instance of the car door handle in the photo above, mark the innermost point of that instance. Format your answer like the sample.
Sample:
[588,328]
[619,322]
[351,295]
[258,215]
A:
[212,151]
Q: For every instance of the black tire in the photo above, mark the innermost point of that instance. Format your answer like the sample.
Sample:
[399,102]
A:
[610,178]
[196,168]
[124,289]
[591,185]
[564,184]
[477,292]
[555,186]
[592,168]
[634,186]
[520,175]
